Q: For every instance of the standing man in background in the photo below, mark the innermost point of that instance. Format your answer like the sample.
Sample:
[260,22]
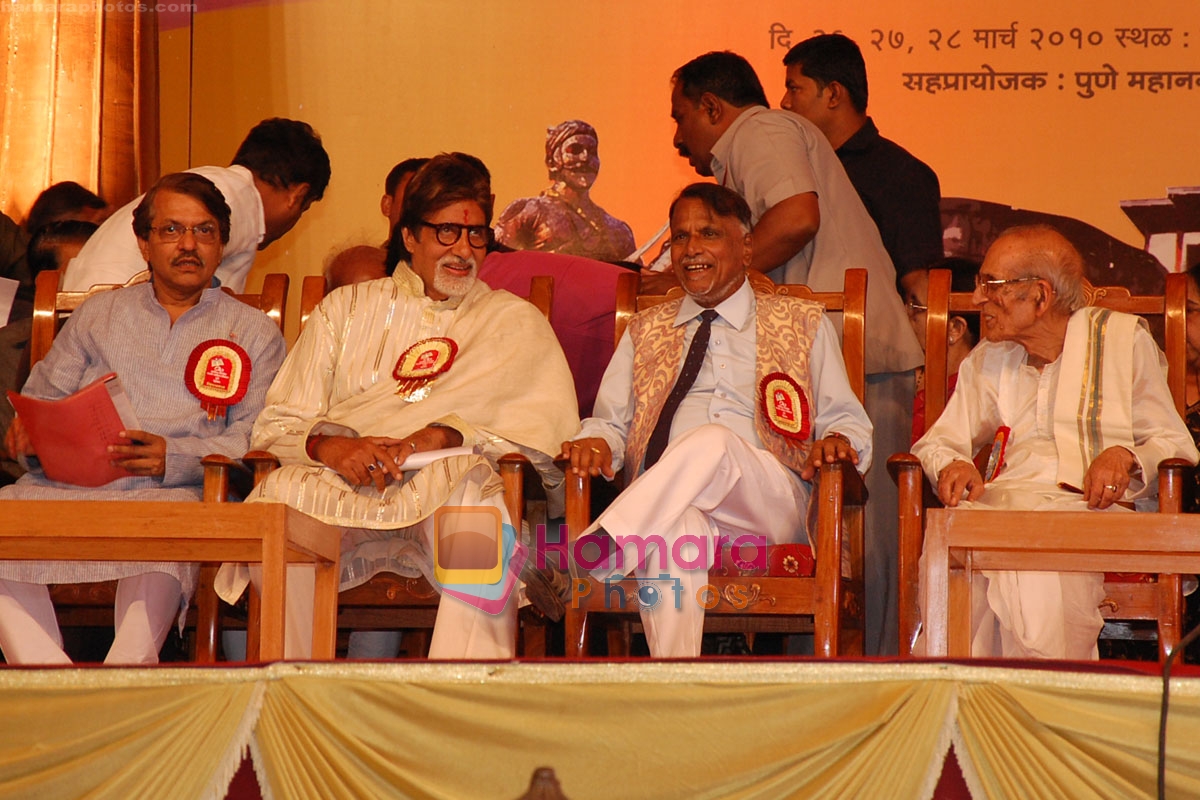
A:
[827,85]
[278,172]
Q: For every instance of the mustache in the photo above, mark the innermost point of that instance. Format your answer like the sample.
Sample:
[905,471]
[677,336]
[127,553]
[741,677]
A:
[187,257]
[451,260]
[683,151]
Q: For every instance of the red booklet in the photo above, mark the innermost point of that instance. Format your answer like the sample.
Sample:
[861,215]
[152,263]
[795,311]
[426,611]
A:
[71,436]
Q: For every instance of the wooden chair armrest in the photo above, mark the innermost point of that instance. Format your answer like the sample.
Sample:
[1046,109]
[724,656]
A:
[260,463]
[217,470]
[900,463]
[906,470]
[520,480]
[854,491]
[578,489]
[1171,475]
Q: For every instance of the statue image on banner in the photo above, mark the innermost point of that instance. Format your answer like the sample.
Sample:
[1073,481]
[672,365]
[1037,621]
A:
[563,218]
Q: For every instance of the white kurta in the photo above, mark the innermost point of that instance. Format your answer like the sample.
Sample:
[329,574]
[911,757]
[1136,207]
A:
[508,390]
[1031,614]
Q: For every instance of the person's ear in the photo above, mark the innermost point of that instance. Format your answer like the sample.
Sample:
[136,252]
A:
[956,329]
[297,195]
[711,105]
[385,205]
[144,247]
[1045,294]
[837,95]
[410,241]
[747,250]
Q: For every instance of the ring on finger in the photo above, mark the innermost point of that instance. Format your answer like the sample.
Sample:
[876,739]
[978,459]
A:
[1111,487]
[414,446]
[372,466]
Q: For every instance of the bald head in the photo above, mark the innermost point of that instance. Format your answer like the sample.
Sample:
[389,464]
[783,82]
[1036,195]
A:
[353,265]
[1041,251]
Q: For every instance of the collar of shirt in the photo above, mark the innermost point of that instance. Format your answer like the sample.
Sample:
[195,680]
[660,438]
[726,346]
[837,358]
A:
[736,310]
[863,139]
[720,150]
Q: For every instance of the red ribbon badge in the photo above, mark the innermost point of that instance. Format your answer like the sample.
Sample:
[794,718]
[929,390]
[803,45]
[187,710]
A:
[785,406]
[421,364]
[218,373]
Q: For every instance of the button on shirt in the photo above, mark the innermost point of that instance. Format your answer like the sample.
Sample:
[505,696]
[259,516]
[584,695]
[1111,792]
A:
[725,391]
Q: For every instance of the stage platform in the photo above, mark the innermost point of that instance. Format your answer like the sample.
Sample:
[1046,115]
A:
[714,728]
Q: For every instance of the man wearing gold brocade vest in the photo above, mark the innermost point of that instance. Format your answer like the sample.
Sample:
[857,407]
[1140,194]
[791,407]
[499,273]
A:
[723,441]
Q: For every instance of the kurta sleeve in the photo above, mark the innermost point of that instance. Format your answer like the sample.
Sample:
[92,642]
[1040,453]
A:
[971,417]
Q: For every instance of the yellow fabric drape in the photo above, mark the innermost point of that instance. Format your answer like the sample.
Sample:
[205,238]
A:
[630,730]
[609,730]
[98,733]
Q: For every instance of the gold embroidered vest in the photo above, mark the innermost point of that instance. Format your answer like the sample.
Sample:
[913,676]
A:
[784,327]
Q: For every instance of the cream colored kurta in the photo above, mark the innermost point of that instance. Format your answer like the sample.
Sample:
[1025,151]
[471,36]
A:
[509,389]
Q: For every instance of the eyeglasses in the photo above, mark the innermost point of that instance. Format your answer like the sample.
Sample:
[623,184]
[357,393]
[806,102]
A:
[989,285]
[204,233]
[449,233]
[913,307]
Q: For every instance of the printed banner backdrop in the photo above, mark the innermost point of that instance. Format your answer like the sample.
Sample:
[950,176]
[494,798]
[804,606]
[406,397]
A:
[1068,108]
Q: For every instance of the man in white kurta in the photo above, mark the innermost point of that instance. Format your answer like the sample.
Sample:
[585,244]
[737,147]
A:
[1050,361]
[731,467]
[343,418]
[279,170]
[147,334]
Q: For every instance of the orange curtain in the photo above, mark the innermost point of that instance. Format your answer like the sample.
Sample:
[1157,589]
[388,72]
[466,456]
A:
[80,102]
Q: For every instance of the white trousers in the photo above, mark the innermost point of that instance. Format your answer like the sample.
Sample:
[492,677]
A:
[709,483]
[145,608]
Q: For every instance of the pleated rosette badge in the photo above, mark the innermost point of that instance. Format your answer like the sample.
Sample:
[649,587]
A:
[218,373]
[785,406]
[421,364]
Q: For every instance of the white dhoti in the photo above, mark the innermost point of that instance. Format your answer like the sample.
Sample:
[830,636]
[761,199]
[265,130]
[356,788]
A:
[709,483]
[1033,614]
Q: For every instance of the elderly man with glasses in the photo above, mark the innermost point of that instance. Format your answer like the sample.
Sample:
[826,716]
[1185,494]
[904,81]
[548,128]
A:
[1025,388]
[426,359]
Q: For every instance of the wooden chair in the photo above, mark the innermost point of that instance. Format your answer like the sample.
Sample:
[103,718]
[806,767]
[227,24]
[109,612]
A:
[390,601]
[88,604]
[1145,597]
[791,592]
